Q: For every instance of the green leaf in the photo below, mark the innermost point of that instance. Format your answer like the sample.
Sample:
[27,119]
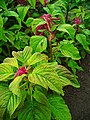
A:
[68,29]
[22,11]
[66,77]
[1,33]
[38,43]
[19,21]
[33,110]
[14,14]
[40,97]
[86,31]
[33,3]
[15,27]
[1,49]
[4,95]
[26,54]
[1,27]
[15,85]
[46,76]
[13,103]
[3,5]
[10,36]
[8,100]
[74,66]
[5,71]
[1,22]
[59,109]
[42,2]
[35,58]
[11,13]
[69,50]
[18,55]
[29,21]
[77,1]
[11,61]
[82,40]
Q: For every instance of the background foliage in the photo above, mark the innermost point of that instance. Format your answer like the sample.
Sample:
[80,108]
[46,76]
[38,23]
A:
[39,38]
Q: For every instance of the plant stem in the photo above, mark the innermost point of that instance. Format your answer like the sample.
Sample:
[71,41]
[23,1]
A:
[50,45]
[29,67]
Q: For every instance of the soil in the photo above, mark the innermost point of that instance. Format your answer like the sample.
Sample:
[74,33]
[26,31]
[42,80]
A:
[78,100]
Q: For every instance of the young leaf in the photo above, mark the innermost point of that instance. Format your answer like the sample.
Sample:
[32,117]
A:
[35,58]
[22,11]
[74,66]
[8,100]
[26,53]
[18,55]
[5,71]
[38,43]
[46,76]
[82,40]
[33,110]
[59,109]
[68,29]
[11,62]
[69,50]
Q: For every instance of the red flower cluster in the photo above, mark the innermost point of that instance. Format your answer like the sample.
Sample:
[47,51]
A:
[77,21]
[20,72]
[45,2]
[47,26]
[19,1]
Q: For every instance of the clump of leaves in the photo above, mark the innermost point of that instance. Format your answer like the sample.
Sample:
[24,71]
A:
[32,88]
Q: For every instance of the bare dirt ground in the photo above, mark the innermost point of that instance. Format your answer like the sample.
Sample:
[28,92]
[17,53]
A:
[78,100]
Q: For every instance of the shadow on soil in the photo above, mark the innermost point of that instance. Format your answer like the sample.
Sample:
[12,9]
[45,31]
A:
[78,100]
